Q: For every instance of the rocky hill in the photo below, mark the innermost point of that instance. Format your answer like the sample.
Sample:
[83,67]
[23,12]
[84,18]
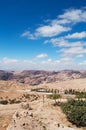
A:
[35,77]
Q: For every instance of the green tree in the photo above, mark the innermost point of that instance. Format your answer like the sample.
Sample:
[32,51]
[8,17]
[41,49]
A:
[75,111]
[55,97]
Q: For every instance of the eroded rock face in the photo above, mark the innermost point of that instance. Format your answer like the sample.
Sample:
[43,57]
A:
[35,77]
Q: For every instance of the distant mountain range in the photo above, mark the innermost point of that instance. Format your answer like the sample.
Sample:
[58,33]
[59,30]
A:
[35,77]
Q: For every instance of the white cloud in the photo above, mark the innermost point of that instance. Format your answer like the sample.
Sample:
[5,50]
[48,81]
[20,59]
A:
[46,31]
[77,35]
[71,45]
[63,63]
[28,35]
[73,51]
[48,64]
[66,47]
[14,64]
[62,42]
[44,55]
[63,23]
[73,16]
[7,60]
[51,30]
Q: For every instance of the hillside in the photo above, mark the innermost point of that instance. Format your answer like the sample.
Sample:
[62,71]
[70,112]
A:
[35,77]
[42,114]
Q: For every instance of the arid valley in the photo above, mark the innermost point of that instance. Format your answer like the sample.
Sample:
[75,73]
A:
[24,102]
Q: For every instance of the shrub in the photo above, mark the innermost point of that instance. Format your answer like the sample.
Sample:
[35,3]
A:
[81,95]
[75,111]
[4,102]
[54,96]
[13,101]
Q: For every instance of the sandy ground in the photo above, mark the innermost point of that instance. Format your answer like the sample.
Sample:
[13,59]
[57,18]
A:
[43,114]
[6,113]
[76,84]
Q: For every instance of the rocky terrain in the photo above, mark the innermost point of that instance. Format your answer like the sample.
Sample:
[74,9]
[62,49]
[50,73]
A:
[30,110]
[35,77]
[33,115]
[37,119]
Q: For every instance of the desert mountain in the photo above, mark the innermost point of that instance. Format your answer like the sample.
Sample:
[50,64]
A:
[35,77]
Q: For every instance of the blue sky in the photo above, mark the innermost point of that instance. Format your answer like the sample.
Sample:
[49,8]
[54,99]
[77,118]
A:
[42,34]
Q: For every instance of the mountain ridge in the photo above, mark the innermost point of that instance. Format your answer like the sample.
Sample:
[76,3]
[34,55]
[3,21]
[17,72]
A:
[35,77]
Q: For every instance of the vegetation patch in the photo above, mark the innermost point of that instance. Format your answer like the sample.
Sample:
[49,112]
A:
[54,97]
[75,111]
[81,95]
[4,102]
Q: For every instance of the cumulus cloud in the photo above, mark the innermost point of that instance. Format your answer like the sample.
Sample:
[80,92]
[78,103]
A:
[44,55]
[77,35]
[66,47]
[62,42]
[73,15]
[46,31]
[14,64]
[48,64]
[51,30]
[57,32]
[73,51]
[63,23]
